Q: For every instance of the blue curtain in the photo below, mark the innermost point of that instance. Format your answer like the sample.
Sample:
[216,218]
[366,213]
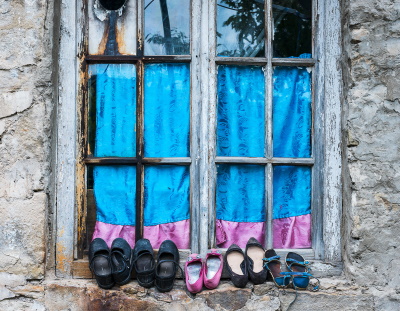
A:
[292,191]
[241,110]
[115,194]
[240,193]
[292,112]
[115,91]
[166,110]
[166,194]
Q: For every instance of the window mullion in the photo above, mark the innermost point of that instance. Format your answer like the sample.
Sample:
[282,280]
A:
[207,122]
[268,125]
[195,85]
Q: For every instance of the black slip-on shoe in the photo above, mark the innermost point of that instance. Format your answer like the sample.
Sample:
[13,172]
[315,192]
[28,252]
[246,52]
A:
[144,263]
[254,258]
[121,261]
[167,263]
[100,263]
[236,266]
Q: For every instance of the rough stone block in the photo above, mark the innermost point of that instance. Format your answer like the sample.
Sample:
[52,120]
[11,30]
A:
[22,242]
[15,102]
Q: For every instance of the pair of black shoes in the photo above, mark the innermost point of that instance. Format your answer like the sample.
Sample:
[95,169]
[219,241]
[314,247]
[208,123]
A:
[110,266]
[114,265]
[162,274]
[244,266]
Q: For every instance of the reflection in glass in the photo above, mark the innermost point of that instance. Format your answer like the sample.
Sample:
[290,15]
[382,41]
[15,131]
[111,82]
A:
[240,193]
[240,127]
[292,112]
[167,27]
[112,110]
[292,27]
[240,28]
[166,110]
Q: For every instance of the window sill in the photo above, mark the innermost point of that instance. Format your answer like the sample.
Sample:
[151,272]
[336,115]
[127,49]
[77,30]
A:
[319,268]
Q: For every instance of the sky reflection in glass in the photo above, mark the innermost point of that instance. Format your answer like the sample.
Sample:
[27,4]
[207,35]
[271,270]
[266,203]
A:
[167,27]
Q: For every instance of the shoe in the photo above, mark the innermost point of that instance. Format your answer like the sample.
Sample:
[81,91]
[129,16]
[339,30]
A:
[273,266]
[254,256]
[194,273]
[167,263]
[144,263]
[213,265]
[299,271]
[100,263]
[236,265]
[121,261]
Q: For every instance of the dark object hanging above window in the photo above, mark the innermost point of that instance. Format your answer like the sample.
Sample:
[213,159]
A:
[112,4]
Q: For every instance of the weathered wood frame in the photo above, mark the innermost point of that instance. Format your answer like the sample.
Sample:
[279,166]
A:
[327,128]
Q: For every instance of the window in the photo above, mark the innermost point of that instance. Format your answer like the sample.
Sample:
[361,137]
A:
[202,122]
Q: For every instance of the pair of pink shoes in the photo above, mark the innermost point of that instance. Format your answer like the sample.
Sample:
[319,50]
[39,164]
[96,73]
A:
[207,272]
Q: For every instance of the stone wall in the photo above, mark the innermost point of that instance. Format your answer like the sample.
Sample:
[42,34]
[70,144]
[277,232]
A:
[372,119]
[371,206]
[25,110]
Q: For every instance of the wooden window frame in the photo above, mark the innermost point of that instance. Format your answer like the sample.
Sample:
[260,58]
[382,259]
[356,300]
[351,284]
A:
[327,159]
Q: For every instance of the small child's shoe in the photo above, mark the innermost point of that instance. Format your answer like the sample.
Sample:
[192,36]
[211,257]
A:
[194,273]
[212,271]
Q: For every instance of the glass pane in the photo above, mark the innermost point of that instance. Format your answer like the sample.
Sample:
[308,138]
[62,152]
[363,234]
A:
[167,27]
[91,207]
[112,110]
[240,28]
[111,196]
[292,207]
[112,32]
[166,204]
[241,110]
[292,112]
[166,110]
[114,189]
[240,193]
[292,28]
[240,204]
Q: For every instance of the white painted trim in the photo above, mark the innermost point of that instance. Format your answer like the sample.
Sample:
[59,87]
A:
[333,150]
[66,139]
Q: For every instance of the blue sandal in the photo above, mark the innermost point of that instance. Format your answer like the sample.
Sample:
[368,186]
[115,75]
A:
[273,265]
[299,271]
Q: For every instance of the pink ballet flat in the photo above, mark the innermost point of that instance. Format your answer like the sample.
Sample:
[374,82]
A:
[212,271]
[194,273]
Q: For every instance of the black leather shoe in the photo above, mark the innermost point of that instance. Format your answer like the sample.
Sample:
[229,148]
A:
[144,263]
[100,263]
[121,261]
[235,263]
[254,259]
[167,263]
